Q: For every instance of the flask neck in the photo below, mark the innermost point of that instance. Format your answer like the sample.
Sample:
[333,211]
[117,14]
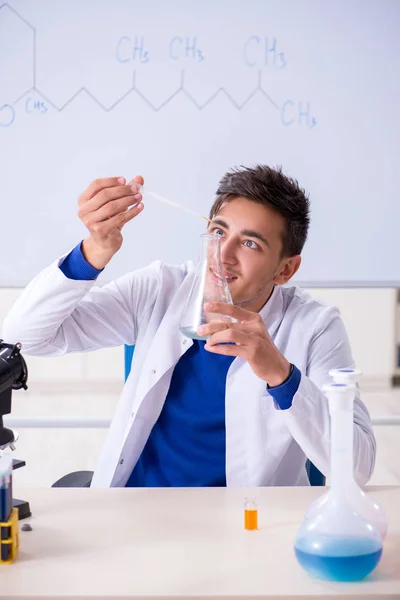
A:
[342,461]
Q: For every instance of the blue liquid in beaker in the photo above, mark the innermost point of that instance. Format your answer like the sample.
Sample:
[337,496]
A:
[338,558]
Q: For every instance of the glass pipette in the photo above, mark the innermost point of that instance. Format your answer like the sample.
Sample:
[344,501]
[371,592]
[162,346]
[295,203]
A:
[145,192]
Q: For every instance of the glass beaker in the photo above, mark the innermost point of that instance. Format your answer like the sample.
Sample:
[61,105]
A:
[362,503]
[209,285]
[337,543]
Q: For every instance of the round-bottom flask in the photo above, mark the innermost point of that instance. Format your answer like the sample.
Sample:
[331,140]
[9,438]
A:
[335,542]
[362,503]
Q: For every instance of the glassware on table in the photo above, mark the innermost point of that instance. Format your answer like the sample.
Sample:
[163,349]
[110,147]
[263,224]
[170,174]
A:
[362,502]
[335,542]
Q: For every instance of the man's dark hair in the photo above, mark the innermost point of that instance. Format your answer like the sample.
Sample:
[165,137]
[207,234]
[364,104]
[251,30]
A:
[269,186]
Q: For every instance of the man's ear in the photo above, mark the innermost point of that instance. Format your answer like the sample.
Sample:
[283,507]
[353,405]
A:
[288,267]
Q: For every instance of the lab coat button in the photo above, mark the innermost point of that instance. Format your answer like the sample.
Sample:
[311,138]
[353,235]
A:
[121,462]
[153,371]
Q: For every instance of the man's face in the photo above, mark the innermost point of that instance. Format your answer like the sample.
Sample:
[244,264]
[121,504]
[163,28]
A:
[251,246]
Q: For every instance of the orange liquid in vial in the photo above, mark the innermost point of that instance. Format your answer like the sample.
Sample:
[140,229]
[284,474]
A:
[251,518]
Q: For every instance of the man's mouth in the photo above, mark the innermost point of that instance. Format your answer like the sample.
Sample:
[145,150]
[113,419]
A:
[229,278]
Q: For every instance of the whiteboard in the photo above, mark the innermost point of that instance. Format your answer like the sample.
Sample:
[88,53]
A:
[180,92]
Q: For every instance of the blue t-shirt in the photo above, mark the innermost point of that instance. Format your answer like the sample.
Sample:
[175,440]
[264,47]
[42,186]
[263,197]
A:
[187,444]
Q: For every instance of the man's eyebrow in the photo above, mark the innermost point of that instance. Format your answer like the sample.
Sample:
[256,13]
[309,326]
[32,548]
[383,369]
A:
[219,221]
[247,232]
[255,234]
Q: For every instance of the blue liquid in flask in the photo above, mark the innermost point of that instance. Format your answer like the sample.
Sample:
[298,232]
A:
[338,558]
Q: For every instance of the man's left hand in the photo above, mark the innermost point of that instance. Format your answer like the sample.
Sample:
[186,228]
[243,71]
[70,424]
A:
[249,339]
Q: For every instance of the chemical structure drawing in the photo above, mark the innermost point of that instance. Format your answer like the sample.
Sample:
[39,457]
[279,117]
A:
[257,52]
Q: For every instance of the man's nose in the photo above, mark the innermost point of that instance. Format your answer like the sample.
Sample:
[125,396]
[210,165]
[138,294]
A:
[228,252]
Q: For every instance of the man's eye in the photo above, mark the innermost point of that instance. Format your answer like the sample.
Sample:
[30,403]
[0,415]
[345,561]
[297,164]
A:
[218,231]
[251,244]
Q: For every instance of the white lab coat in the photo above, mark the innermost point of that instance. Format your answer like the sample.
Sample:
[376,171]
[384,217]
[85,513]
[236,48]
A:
[264,445]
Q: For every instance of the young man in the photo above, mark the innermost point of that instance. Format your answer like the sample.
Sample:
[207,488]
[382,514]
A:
[195,413]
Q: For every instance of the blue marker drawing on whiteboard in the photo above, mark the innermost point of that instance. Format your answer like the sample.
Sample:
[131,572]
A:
[257,51]
[299,113]
[35,106]
[7,115]
[128,50]
[260,52]
[185,48]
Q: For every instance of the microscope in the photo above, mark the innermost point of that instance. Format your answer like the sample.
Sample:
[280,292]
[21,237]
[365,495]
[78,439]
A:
[13,376]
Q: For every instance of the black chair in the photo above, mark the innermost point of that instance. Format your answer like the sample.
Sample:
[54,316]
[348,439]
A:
[76,479]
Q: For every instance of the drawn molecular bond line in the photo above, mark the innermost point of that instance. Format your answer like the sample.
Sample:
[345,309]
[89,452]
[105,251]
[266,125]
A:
[8,110]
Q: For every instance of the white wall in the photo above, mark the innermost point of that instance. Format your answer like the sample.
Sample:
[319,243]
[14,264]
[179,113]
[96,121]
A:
[369,316]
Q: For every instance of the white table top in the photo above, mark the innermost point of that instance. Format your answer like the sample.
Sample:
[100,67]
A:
[178,543]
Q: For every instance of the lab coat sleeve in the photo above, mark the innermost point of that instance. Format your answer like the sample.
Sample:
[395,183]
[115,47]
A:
[55,315]
[308,417]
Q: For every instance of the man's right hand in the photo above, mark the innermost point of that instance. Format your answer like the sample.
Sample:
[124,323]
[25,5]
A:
[104,210]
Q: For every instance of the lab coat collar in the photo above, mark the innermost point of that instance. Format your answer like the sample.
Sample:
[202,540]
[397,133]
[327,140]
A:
[272,311]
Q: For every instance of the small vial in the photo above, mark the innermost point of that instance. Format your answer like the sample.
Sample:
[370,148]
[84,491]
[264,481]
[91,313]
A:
[250,515]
